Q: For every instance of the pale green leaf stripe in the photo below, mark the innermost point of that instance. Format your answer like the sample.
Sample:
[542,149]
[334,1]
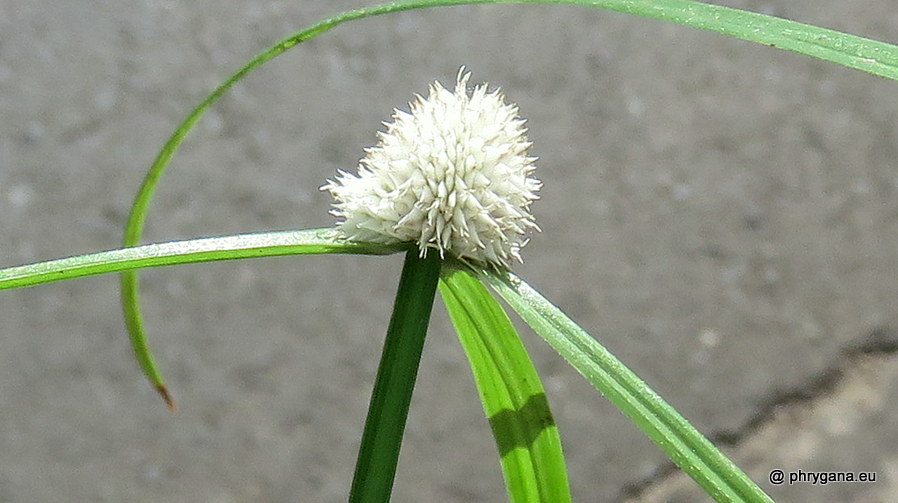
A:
[510,391]
[313,241]
[685,445]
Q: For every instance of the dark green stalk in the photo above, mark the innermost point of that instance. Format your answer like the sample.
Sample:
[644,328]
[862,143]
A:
[382,438]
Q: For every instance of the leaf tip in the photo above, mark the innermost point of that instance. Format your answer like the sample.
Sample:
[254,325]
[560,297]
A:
[166,396]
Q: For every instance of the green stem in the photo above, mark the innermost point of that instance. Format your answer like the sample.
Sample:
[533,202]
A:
[379,451]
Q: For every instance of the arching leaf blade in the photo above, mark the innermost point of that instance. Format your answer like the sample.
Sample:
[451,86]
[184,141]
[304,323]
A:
[878,58]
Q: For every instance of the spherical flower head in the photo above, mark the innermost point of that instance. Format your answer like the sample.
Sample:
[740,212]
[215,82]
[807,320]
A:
[452,174]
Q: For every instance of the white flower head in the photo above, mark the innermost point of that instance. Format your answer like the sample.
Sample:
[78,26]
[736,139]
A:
[451,174]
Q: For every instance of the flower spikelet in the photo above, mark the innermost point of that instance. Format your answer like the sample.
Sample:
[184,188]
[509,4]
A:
[452,174]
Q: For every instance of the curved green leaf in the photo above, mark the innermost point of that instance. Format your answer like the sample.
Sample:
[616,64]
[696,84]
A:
[852,51]
[314,241]
[685,445]
[510,391]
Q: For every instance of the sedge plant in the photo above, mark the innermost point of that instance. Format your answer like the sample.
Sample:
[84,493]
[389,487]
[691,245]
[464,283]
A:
[450,185]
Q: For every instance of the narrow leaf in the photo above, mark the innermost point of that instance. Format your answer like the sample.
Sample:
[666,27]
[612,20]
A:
[685,445]
[510,391]
[266,244]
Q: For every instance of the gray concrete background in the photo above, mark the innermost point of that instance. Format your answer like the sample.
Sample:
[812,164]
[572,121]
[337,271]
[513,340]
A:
[721,214]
